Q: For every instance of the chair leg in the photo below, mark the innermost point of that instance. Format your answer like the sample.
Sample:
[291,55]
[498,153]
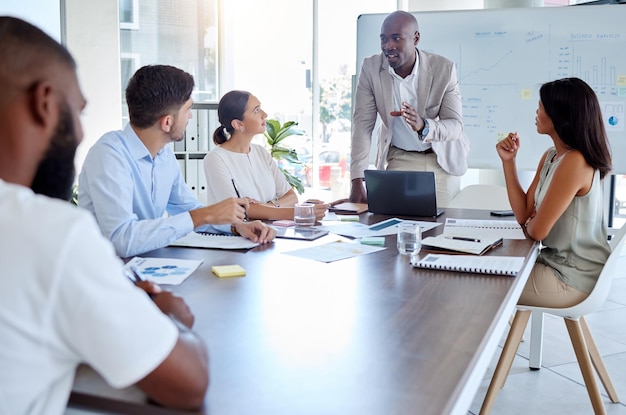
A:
[506,359]
[596,359]
[536,340]
[582,355]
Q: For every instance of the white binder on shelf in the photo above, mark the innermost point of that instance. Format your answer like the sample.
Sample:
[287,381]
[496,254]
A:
[202,184]
[191,176]
[204,132]
[213,124]
[179,146]
[182,165]
[191,132]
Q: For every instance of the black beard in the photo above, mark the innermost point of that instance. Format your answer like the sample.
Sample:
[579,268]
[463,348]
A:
[55,173]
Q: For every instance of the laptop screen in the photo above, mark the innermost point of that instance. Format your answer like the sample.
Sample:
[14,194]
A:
[407,193]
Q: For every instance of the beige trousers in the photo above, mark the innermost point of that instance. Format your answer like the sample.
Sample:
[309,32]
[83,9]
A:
[545,289]
[447,185]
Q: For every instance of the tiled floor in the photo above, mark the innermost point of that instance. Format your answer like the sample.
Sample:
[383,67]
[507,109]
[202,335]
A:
[558,388]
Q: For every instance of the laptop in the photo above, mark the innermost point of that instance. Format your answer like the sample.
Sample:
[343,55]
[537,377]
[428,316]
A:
[403,193]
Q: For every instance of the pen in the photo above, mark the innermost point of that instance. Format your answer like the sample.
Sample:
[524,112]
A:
[133,274]
[239,197]
[235,186]
[462,238]
[135,277]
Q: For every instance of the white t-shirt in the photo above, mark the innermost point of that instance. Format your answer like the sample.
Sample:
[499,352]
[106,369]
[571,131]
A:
[64,301]
[255,174]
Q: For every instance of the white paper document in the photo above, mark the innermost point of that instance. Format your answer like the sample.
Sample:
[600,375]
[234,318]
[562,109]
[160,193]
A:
[478,228]
[334,251]
[206,240]
[163,270]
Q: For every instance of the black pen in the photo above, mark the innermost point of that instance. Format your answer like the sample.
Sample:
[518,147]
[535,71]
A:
[133,274]
[239,197]
[235,186]
[463,238]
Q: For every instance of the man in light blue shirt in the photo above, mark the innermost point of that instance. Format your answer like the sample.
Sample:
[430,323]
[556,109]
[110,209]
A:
[130,178]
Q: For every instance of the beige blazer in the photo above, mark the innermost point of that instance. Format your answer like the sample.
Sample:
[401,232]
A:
[439,101]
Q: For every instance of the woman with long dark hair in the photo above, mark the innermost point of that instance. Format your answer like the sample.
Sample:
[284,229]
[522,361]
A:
[563,207]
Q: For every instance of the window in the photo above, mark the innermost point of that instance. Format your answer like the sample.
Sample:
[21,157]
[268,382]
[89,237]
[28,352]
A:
[179,33]
[269,52]
[130,62]
[129,15]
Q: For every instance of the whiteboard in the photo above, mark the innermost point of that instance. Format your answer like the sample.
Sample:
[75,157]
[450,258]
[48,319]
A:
[503,56]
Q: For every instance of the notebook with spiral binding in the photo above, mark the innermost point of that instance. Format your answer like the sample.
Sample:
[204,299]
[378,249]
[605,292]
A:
[495,265]
[209,240]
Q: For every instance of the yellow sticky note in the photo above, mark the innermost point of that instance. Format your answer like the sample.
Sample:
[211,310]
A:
[224,271]
[526,94]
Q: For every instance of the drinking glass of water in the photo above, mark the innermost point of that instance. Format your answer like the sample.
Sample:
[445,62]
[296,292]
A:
[304,214]
[409,238]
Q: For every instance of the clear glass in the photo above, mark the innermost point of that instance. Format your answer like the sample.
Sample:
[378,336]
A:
[304,214]
[409,238]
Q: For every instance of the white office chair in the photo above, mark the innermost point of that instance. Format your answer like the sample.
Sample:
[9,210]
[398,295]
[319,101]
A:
[481,196]
[585,348]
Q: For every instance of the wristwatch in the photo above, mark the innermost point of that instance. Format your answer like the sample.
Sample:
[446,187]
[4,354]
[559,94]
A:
[275,202]
[424,132]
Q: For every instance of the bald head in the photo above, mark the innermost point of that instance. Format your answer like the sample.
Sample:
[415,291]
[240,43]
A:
[404,19]
[399,37]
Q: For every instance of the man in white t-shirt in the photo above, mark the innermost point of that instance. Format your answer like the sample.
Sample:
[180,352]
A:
[64,298]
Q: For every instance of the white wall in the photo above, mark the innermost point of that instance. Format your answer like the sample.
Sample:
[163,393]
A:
[92,31]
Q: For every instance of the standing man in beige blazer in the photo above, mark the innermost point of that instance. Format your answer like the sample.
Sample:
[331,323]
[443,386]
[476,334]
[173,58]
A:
[416,94]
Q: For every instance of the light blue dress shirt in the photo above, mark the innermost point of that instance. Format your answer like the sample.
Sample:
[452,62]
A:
[129,193]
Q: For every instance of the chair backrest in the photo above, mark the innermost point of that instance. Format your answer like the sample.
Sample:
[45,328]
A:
[481,196]
[600,291]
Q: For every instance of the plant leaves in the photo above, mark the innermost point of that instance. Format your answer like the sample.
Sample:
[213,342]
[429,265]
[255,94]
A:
[274,134]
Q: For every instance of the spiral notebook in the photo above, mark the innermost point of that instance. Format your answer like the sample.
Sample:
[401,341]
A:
[496,265]
[507,229]
[209,240]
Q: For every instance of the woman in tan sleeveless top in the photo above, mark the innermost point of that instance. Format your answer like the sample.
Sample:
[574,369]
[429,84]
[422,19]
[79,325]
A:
[563,207]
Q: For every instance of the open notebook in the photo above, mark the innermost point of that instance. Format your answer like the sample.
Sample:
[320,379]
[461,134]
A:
[460,245]
[209,240]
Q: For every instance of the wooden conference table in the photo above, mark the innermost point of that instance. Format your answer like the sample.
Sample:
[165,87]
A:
[365,335]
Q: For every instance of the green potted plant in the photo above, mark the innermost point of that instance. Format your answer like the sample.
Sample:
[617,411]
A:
[275,133]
